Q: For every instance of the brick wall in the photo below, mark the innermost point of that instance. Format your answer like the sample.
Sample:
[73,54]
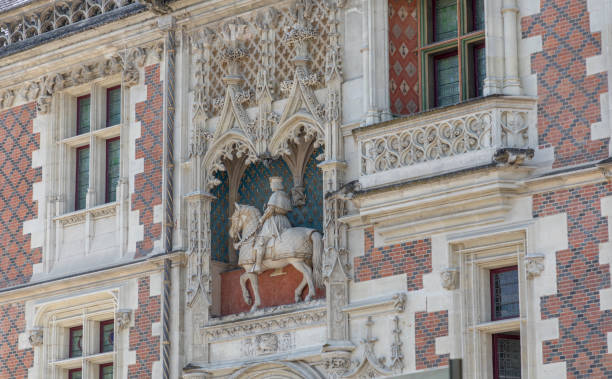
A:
[403,57]
[141,338]
[17,142]
[568,100]
[583,327]
[427,327]
[148,184]
[14,363]
[412,258]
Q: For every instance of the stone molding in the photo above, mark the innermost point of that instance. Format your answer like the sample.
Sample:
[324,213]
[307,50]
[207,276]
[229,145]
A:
[79,217]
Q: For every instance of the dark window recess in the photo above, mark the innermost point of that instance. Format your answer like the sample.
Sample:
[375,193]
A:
[446,79]
[113,106]
[112,168]
[83,114]
[506,356]
[76,342]
[480,69]
[504,293]
[75,373]
[82,177]
[107,336]
[444,20]
[106,371]
[478,19]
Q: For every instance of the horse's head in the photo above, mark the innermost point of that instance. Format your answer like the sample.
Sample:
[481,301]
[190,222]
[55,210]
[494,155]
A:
[244,219]
[237,221]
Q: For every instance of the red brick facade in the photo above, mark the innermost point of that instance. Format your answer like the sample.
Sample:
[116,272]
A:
[17,142]
[141,338]
[583,327]
[148,184]
[14,363]
[428,327]
[568,100]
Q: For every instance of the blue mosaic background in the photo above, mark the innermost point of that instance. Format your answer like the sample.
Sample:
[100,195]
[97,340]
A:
[254,189]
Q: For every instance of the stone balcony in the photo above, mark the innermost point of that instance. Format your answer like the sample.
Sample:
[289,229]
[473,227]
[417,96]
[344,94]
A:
[466,135]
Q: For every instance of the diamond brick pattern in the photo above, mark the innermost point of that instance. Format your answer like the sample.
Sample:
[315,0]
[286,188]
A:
[17,142]
[14,363]
[568,100]
[428,327]
[403,57]
[141,339]
[412,258]
[148,184]
[583,327]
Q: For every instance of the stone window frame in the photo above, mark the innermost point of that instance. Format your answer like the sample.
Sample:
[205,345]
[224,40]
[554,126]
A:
[473,259]
[55,318]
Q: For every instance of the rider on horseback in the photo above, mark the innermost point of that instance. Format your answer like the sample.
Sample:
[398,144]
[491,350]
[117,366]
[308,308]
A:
[274,220]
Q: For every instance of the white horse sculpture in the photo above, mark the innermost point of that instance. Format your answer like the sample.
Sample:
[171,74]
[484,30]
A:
[298,246]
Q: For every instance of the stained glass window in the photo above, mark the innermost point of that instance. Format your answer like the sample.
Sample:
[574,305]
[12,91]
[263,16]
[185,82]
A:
[76,341]
[107,336]
[75,374]
[478,20]
[507,356]
[445,19]
[112,168]
[480,71]
[83,114]
[446,79]
[113,106]
[82,177]
[106,371]
[504,293]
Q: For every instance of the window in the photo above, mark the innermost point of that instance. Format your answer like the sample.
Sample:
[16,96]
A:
[83,114]
[76,342]
[452,51]
[107,336]
[113,106]
[82,177]
[112,168]
[75,373]
[106,371]
[506,356]
[504,293]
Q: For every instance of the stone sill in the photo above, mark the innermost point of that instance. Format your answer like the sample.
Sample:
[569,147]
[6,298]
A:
[97,358]
[79,217]
[499,326]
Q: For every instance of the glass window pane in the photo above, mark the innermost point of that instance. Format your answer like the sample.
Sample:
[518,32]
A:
[446,74]
[107,336]
[508,359]
[445,19]
[83,114]
[106,372]
[480,68]
[113,103]
[505,294]
[75,374]
[112,168]
[76,340]
[82,177]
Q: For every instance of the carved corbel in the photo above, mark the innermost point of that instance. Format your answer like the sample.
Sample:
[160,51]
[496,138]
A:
[36,336]
[449,277]
[7,98]
[123,318]
[534,265]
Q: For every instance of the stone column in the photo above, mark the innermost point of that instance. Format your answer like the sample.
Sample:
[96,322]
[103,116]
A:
[512,83]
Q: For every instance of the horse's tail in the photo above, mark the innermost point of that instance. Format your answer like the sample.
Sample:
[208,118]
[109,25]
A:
[317,258]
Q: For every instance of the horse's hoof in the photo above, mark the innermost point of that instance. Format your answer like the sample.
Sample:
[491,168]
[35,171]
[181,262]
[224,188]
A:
[308,298]
[248,300]
[297,298]
[253,308]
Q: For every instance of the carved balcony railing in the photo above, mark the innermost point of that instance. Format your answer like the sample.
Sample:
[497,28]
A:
[53,16]
[461,136]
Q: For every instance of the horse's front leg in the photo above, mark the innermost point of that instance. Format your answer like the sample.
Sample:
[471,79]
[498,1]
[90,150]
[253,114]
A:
[245,292]
[255,284]
[306,271]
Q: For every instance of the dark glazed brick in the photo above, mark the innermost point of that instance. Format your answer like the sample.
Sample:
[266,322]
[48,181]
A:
[148,184]
[14,363]
[568,100]
[17,177]
[583,327]
[141,339]
[412,258]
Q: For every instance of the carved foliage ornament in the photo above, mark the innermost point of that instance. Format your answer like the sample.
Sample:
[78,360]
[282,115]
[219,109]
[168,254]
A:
[123,318]
[36,336]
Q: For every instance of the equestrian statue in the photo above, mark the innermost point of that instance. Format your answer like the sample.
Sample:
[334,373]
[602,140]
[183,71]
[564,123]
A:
[270,242]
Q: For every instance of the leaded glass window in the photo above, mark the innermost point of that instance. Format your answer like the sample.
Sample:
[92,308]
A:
[76,342]
[83,114]
[445,19]
[479,69]
[76,373]
[504,293]
[112,168]
[107,336]
[507,356]
[82,177]
[113,106]
[106,371]
[446,79]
